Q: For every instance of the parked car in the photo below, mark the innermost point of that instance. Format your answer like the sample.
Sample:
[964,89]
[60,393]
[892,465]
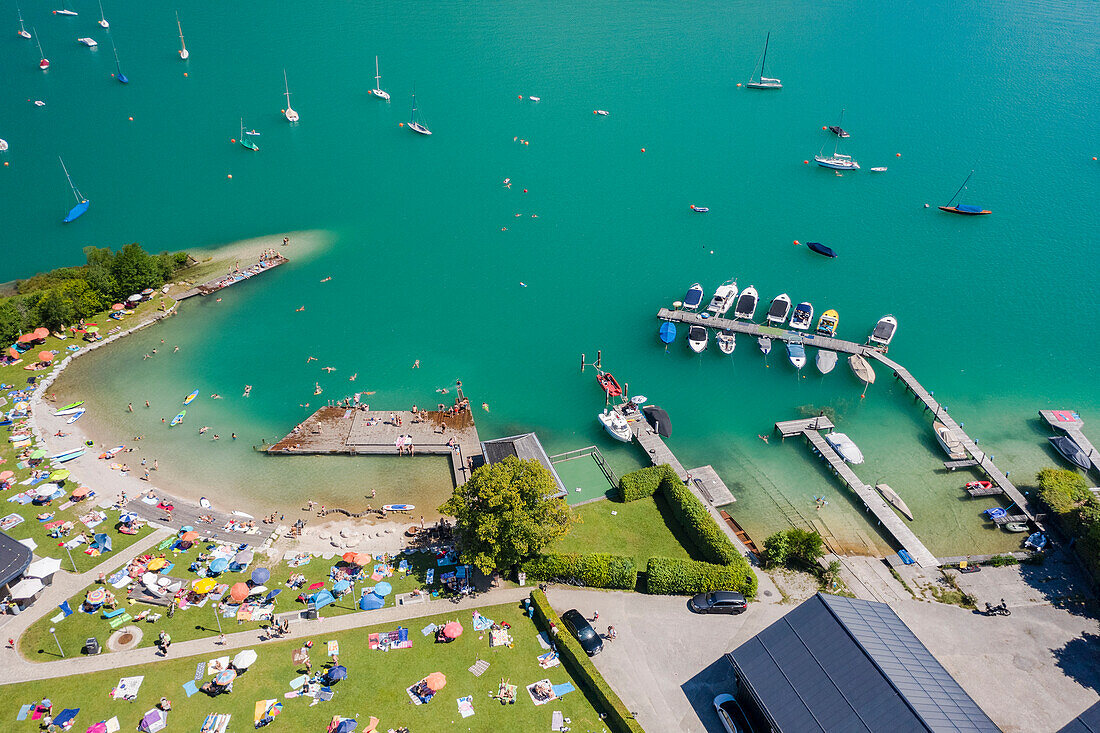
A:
[731,714]
[719,601]
[583,632]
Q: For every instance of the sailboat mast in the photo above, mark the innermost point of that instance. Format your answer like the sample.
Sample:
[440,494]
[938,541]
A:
[183,47]
[377,76]
[286,85]
[960,189]
[40,51]
[76,194]
[765,58]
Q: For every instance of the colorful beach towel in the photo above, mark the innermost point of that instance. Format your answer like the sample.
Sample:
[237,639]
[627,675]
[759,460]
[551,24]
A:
[190,687]
[10,521]
[466,706]
[333,648]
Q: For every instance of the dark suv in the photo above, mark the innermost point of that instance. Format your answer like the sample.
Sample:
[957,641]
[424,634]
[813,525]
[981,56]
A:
[583,631]
[719,601]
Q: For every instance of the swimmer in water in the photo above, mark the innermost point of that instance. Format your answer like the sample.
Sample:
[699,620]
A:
[247,389]
[325,280]
[763,437]
[300,309]
[416,364]
[485,406]
[203,429]
[330,370]
[353,377]
[310,358]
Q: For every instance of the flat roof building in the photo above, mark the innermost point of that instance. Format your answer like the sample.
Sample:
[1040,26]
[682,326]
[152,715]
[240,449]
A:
[524,447]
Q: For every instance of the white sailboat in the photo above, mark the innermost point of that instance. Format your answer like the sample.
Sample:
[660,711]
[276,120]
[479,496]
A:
[22,30]
[414,122]
[377,91]
[103,18]
[291,115]
[763,82]
[836,161]
[65,10]
[184,53]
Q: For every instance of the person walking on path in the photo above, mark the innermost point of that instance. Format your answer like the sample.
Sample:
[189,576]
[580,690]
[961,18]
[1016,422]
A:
[611,634]
[165,641]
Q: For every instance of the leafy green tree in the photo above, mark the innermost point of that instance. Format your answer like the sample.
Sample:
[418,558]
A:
[11,321]
[777,548]
[507,513]
[134,269]
[807,546]
[55,311]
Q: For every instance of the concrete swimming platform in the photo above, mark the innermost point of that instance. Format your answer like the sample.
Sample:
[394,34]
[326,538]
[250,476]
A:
[980,460]
[872,500]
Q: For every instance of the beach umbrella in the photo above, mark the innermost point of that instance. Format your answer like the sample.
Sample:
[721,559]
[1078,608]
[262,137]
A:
[341,586]
[349,556]
[187,528]
[189,536]
[271,596]
[28,587]
[149,580]
[43,568]
[383,589]
[238,592]
[203,585]
[25,338]
[135,298]
[219,565]
[436,681]
[41,332]
[317,586]
[243,557]
[127,517]
[336,674]
[5,475]
[100,727]
[118,307]
[225,677]
[257,590]
[97,596]
[361,559]
[452,630]
[260,576]
[45,356]
[157,563]
[46,490]
[147,291]
[80,492]
[13,353]
[347,725]
[244,659]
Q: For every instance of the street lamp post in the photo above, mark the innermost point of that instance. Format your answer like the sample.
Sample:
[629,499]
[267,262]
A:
[217,618]
[52,630]
[70,553]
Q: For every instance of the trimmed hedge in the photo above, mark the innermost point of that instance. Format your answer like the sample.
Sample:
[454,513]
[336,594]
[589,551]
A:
[594,570]
[644,482]
[593,685]
[668,576]
[699,525]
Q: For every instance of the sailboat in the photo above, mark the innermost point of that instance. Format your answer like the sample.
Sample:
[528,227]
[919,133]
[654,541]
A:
[966,209]
[414,123]
[65,10]
[245,141]
[836,161]
[184,53]
[377,91]
[763,82]
[22,30]
[103,18]
[118,67]
[82,203]
[43,63]
[291,115]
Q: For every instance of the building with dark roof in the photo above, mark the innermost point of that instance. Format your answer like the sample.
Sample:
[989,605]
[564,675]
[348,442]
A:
[14,559]
[843,664]
[524,447]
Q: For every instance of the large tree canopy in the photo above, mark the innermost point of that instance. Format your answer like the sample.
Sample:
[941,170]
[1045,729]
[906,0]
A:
[507,513]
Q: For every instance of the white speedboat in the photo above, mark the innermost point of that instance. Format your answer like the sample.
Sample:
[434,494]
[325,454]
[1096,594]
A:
[797,354]
[746,304]
[951,445]
[615,425]
[89,42]
[844,446]
[723,298]
[765,344]
[726,340]
[779,310]
[377,91]
[884,330]
[693,298]
[825,360]
[697,339]
[802,316]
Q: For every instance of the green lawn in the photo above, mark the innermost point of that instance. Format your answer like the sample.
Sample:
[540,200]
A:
[192,623]
[642,528]
[375,685]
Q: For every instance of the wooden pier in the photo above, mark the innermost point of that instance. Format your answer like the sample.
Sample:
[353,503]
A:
[234,276]
[361,431]
[874,502]
[1070,423]
[980,460]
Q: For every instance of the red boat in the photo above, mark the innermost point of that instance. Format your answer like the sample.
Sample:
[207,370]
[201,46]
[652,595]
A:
[609,384]
[979,485]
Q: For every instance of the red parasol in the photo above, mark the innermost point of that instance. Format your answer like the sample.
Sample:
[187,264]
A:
[348,557]
[118,307]
[45,356]
[26,338]
[317,586]
[238,592]
[452,630]
[436,681]
[41,332]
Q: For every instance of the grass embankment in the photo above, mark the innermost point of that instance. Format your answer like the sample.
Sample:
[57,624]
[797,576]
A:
[375,685]
[643,528]
[196,622]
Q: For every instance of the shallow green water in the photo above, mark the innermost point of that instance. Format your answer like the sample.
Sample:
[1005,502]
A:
[990,308]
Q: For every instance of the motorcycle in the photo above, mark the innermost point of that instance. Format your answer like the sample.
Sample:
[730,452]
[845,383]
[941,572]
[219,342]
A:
[1001,610]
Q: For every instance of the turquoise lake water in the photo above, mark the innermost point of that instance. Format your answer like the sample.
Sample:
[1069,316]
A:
[991,309]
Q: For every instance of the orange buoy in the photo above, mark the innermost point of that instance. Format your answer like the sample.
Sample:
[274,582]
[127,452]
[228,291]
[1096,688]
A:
[823,127]
[738,83]
[400,124]
[525,190]
[232,140]
[519,96]
[805,162]
[593,111]
[898,154]
[797,242]
[1094,157]
[185,73]
[230,175]
[643,150]
[5,164]
[131,119]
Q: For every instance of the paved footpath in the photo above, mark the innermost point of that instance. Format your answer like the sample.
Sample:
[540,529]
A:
[18,669]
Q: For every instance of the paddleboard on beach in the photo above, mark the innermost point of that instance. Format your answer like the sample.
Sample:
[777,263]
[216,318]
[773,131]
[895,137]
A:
[76,416]
[398,507]
[191,397]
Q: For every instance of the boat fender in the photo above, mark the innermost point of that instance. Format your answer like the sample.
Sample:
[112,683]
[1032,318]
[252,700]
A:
[400,124]
[738,84]
[643,150]
[926,206]
[131,119]
[823,127]
[230,175]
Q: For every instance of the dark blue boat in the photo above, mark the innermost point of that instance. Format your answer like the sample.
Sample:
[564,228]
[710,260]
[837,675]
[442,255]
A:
[821,249]
[667,334]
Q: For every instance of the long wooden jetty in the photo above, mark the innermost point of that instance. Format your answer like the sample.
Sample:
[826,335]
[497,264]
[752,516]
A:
[1070,423]
[981,460]
[810,428]
[358,430]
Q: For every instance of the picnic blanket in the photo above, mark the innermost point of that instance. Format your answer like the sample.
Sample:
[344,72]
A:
[65,717]
[562,689]
[466,706]
[218,664]
[190,687]
[478,668]
[544,684]
[481,623]
[333,648]
[215,723]
[398,639]
[500,637]
[429,629]
[127,688]
[416,699]
[548,660]
[557,721]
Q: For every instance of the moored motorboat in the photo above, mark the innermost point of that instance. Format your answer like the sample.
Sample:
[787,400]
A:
[697,339]
[796,352]
[821,249]
[726,340]
[980,485]
[765,344]
[693,298]
[667,332]
[802,316]
[884,330]
[1072,452]
[825,360]
[1015,527]
[1036,541]
[609,384]
[892,496]
[615,425]
[861,368]
[826,325]
[723,298]
[746,304]
[879,169]
[951,445]
[845,447]
[779,309]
